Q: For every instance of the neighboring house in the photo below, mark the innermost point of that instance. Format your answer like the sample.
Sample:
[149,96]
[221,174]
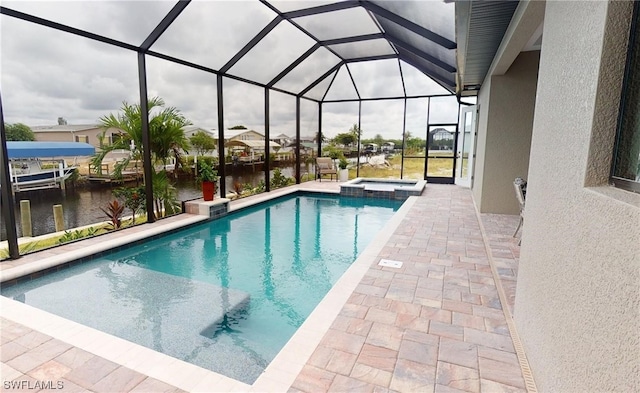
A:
[68,133]
[439,134]
[89,133]
[190,131]
[281,139]
[440,139]
[242,135]
[247,143]
[307,139]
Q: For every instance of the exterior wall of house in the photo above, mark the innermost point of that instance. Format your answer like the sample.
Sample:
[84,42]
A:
[92,136]
[481,142]
[578,300]
[61,136]
[68,136]
[249,135]
[504,134]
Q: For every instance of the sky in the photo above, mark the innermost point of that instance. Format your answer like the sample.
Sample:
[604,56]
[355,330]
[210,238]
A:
[46,74]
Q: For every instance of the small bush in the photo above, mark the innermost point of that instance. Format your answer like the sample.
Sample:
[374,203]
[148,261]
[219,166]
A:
[279,180]
[114,213]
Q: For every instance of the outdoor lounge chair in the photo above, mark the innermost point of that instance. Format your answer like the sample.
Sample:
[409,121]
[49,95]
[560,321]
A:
[325,166]
[520,186]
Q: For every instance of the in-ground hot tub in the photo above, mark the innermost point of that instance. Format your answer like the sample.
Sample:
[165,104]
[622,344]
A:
[382,188]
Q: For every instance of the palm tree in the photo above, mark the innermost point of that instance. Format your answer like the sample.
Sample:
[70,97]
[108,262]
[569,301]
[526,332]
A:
[165,132]
[167,135]
[165,195]
[166,138]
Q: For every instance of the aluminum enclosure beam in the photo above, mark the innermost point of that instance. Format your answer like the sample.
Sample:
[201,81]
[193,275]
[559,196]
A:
[267,164]
[221,158]
[254,41]
[164,24]
[65,28]
[297,140]
[410,48]
[146,140]
[407,24]
[341,5]
[6,197]
[317,81]
[293,65]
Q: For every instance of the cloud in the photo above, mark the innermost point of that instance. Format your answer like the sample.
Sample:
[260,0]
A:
[127,21]
[338,117]
[382,117]
[210,33]
[46,73]
[380,78]
[339,24]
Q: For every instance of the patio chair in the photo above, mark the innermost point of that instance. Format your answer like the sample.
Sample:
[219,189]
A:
[520,186]
[325,166]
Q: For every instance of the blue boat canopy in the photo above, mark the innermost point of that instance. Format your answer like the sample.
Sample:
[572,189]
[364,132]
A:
[48,149]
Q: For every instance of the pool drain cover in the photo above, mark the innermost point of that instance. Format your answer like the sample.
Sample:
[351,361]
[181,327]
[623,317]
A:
[390,263]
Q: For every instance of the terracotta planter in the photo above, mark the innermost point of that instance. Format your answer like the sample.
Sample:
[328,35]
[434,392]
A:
[208,190]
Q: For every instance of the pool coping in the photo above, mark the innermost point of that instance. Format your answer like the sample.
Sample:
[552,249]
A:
[358,187]
[281,371]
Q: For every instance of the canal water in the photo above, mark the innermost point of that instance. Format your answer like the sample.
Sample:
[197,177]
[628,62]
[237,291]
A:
[81,206]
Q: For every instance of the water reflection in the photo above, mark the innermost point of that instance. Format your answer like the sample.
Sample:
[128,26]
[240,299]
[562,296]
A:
[225,295]
[82,206]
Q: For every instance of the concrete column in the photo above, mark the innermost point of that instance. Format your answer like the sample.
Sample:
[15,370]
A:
[505,124]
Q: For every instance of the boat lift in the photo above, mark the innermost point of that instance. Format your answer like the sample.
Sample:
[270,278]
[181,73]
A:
[26,170]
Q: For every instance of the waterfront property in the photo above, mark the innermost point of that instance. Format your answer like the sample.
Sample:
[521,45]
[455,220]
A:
[457,304]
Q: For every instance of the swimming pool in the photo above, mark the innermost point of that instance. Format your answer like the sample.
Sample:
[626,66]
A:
[225,295]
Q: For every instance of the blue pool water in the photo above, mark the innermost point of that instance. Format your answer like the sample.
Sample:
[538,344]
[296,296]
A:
[225,295]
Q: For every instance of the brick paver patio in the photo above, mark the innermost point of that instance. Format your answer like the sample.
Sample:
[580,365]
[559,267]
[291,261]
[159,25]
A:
[30,358]
[436,324]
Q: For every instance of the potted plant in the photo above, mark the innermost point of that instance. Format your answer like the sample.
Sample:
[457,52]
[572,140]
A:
[343,173]
[208,177]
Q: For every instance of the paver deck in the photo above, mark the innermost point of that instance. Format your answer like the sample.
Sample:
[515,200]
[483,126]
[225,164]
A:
[436,323]
[440,323]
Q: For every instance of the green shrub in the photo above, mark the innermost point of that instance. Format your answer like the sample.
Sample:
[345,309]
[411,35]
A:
[279,180]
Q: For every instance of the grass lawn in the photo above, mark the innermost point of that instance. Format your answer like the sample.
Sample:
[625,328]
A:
[413,168]
[68,236]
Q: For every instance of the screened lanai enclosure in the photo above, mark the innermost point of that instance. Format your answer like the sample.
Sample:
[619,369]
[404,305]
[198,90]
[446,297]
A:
[385,73]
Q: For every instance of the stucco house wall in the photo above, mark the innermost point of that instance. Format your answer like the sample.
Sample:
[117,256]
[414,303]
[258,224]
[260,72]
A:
[481,142]
[243,135]
[504,134]
[577,306]
[72,133]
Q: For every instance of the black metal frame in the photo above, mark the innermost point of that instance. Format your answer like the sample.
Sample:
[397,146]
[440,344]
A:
[144,49]
[620,182]
[267,140]
[6,197]
[454,158]
[298,140]
[146,140]
[221,157]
